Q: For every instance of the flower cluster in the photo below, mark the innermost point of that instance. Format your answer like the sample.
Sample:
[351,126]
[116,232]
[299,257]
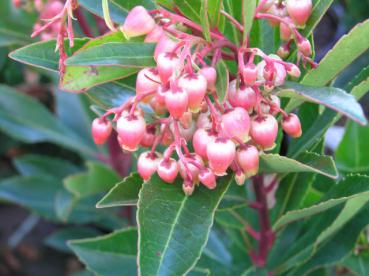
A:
[205,136]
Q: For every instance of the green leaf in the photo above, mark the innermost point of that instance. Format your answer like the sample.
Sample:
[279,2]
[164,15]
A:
[346,50]
[174,227]
[358,264]
[190,8]
[214,7]
[32,164]
[248,13]
[58,239]
[222,80]
[124,193]
[36,193]
[307,162]
[118,8]
[350,155]
[26,119]
[347,189]
[10,37]
[135,55]
[319,10]
[322,123]
[109,255]
[43,55]
[98,179]
[331,97]
[205,24]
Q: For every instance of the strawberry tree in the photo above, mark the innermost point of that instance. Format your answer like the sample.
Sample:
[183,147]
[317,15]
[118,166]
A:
[223,108]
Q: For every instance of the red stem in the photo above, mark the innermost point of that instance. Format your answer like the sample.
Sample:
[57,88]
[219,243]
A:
[266,236]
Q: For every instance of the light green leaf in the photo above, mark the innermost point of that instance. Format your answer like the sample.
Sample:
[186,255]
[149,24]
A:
[98,179]
[358,264]
[351,188]
[331,97]
[222,80]
[248,13]
[190,8]
[133,55]
[350,155]
[205,24]
[110,255]
[10,37]
[173,227]
[124,193]
[307,162]
[214,7]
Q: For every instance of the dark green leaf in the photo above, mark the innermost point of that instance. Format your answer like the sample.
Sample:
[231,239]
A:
[26,119]
[30,164]
[109,255]
[9,38]
[124,193]
[133,55]
[174,227]
[358,263]
[58,239]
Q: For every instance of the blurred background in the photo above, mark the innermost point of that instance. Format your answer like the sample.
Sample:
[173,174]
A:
[49,159]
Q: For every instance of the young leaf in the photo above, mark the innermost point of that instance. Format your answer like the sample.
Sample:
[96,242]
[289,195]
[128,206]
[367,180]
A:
[248,13]
[346,50]
[133,55]
[349,188]
[334,98]
[190,8]
[109,255]
[222,80]
[307,162]
[205,24]
[124,193]
[173,227]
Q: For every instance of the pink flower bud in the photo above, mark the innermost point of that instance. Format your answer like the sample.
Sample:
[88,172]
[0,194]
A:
[176,102]
[187,133]
[160,94]
[264,130]
[164,45]
[292,126]
[204,121]
[221,154]
[304,47]
[168,170]
[299,10]
[244,97]
[186,120]
[280,75]
[131,130]
[147,81]
[277,10]
[17,3]
[283,51]
[250,74]
[188,187]
[167,63]
[248,160]
[101,130]
[158,107]
[293,70]
[155,35]
[51,10]
[201,139]
[210,75]
[192,169]
[138,22]
[148,138]
[195,85]
[236,123]
[275,104]
[240,178]
[147,164]
[285,30]
[207,177]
